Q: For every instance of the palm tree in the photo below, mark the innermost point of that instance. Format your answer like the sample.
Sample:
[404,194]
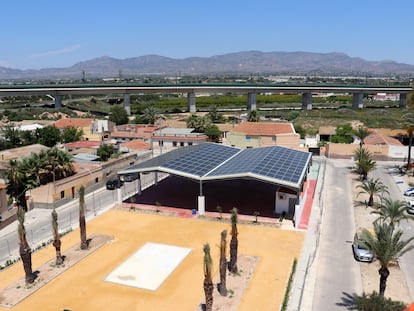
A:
[364,166]
[372,187]
[151,114]
[82,222]
[253,116]
[208,282]
[387,247]
[223,263]
[234,242]
[392,211]
[361,133]
[24,249]
[56,238]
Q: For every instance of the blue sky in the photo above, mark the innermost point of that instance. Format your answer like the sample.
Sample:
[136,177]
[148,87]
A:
[50,33]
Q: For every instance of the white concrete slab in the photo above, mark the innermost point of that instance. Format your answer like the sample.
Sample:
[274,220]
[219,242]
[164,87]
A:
[149,267]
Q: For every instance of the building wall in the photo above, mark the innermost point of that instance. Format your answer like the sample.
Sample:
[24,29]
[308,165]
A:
[240,140]
[346,151]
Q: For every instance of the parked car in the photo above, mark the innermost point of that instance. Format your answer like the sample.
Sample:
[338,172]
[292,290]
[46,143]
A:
[410,209]
[360,252]
[114,183]
[129,177]
[409,192]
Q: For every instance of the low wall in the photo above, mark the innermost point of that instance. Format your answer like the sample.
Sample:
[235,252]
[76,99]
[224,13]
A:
[346,151]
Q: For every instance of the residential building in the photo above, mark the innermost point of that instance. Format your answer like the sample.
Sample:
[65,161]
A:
[263,134]
[127,132]
[93,129]
[169,138]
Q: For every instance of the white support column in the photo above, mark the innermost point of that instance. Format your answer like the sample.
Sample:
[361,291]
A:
[201,205]
[139,185]
[307,101]
[357,100]
[403,100]
[58,101]
[119,195]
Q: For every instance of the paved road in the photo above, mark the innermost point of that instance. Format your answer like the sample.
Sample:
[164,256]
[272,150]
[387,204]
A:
[337,271]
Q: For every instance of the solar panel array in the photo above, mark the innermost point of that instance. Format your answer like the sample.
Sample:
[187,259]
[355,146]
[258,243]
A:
[200,161]
[215,161]
[275,162]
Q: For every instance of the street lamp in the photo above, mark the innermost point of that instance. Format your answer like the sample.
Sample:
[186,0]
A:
[93,192]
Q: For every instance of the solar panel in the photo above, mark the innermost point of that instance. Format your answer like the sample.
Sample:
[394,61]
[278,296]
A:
[274,162]
[202,160]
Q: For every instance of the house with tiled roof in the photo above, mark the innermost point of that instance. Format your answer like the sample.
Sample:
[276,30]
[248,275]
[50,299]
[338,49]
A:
[127,132]
[93,129]
[262,134]
[168,138]
[82,146]
[135,145]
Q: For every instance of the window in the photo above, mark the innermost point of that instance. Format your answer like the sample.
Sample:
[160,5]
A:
[174,144]
[248,138]
[182,144]
[62,194]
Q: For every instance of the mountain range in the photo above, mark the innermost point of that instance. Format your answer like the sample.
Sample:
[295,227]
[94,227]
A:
[248,62]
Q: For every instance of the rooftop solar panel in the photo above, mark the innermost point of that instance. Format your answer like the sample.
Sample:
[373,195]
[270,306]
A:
[202,160]
[211,161]
[274,162]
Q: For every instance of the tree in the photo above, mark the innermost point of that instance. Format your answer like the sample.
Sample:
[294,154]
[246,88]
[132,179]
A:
[199,124]
[105,151]
[151,114]
[223,263]
[392,211]
[208,282]
[213,133]
[372,187]
[361,133]
[234,242]
[82,222]
[11,136]
[48,136]
[118,115]
[215,116]
[24,249]
[70,134]
[365,166]
[56,238]
[387,246]
[253,116]
[343,135]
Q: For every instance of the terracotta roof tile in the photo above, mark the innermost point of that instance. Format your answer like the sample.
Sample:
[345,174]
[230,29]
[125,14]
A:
[75,122]
[264,129]
[83,144]
[136,144]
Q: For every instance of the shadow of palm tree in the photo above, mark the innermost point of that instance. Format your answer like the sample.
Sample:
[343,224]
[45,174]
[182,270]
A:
[349,301]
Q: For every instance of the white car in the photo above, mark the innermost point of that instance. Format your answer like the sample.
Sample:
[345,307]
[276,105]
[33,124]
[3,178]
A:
[360,252]
[409,192]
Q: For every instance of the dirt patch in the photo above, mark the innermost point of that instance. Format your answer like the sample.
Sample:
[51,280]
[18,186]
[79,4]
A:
[235,283]
[17,291]
[396,285]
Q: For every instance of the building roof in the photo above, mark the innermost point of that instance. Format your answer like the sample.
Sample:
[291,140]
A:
[15,153]
[327,130]
[210,161]
[75,122]
[379,139]
[263,129]
[83,144]
[136,144]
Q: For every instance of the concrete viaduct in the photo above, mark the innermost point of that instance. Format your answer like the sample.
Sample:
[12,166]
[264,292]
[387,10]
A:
[59,90]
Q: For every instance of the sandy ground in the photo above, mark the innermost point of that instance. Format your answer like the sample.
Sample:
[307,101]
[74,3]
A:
[396,285]
[82,286]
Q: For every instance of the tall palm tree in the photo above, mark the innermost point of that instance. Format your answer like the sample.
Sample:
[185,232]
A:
[56,238]
[208,281]
[392,211]
[365,166]
[387,246]
[82,222]
[24,248]
[223,263]
[361,133]
[234,242]
[372,187]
